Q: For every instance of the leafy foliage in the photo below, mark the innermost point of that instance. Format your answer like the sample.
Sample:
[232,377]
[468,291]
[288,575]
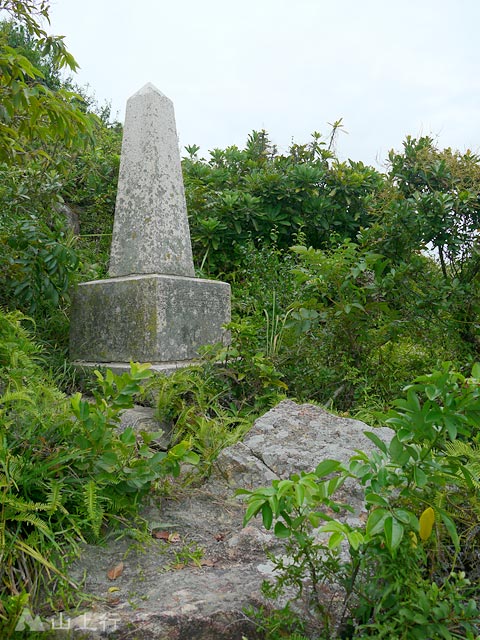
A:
[402,577]
[378,298]
[39,267]
[65,471]
[33,117]
[258,195]
[214,403]
[45,128]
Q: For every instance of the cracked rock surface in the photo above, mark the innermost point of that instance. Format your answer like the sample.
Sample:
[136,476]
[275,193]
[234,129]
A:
[167,592]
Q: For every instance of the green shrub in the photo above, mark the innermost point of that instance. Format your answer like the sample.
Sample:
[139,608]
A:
[214,403]
[407,574]
[65,471]
[259,195]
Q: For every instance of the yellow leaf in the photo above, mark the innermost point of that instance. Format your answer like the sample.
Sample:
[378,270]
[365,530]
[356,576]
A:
[113,589]
[427,520]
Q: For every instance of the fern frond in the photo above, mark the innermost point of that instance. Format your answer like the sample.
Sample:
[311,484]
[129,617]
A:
[8,397]
[37,522]
[93,506]
[54,496]
[119,504]
[460,448]
[470,455]
[17,503]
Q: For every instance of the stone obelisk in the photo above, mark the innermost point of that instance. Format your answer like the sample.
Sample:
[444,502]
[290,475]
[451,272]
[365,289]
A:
[151,308]
[150,232]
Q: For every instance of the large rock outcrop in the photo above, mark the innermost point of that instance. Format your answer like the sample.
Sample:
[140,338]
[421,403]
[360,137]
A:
[161,592]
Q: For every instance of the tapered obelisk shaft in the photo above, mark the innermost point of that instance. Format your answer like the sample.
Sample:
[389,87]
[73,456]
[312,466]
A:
[151,232]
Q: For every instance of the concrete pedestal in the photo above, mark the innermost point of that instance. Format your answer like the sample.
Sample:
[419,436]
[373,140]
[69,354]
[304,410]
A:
[148,318]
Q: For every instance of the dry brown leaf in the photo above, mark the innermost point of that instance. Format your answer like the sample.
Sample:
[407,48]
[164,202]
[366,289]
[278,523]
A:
[161,535]
[167,536]
[206,562]
[116,572]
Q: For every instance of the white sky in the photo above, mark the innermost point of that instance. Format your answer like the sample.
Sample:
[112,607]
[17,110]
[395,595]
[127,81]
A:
[387,68]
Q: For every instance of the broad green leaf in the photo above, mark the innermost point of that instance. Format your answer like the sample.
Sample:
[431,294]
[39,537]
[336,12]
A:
[452,427]
[75,402]
[355,539]
[158,457]
[373,498]
[376,440]
[335,539]
[476,371]
[128,436]
[191,458]
[253,508]
[281,531]
[84,410]
[283,487]
[432,392]
[334,525]
[108,462]
[243,492]
[420,477]
[395,449]
[326,467]
[333,484]
[309,481]
[140,371]
[267,515]
[299,494]
[407,517]
[413,401]
[451,528]
[470,482]
[266,492]
[376,521]
[314,519]
[393,532]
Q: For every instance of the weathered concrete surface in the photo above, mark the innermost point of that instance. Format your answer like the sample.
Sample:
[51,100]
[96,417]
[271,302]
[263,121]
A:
[154,318]
[158,597]
[150,232]
[165,368]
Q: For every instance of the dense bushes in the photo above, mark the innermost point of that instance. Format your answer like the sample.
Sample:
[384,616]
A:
[260,196]
[65,471]
[412,569]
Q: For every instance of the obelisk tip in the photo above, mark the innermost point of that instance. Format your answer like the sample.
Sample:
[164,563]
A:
[149,88]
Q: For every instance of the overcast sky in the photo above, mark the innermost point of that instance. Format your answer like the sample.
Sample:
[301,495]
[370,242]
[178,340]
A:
[387,68]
